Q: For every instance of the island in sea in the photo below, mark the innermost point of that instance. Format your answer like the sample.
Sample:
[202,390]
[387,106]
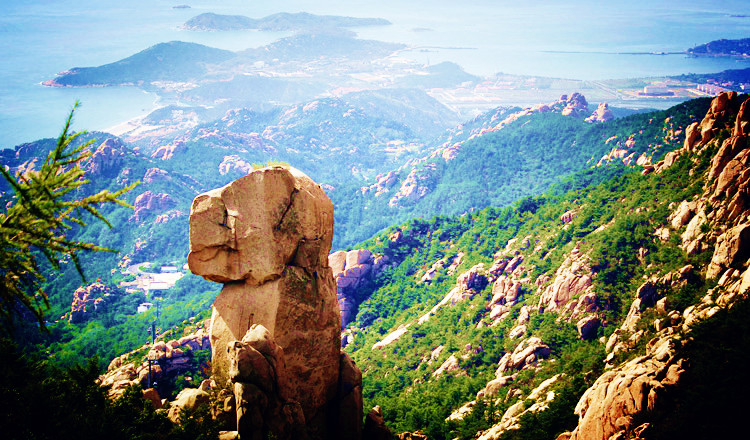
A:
[283,21]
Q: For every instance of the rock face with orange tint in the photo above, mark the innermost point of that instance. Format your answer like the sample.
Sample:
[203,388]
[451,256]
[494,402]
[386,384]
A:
[267,237]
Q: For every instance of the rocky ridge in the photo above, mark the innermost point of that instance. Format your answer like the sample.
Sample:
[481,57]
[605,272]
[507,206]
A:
[545,280]
[420,179]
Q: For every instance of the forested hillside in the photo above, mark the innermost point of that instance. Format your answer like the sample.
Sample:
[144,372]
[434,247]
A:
[493,160]
[503,156]
[493,324]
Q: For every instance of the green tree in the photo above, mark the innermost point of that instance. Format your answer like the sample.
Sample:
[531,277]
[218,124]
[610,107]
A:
[39,219]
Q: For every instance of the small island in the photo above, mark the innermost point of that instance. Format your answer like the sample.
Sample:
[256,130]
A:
[283,21]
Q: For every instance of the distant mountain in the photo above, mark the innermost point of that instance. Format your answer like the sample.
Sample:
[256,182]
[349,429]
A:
[283,21]
[732,79]
[333,141]
[179,61]
[723,47]
[423,114]
[173,61]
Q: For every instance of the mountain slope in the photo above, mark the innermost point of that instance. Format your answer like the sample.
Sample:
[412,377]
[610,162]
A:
[504,156]
[493,325]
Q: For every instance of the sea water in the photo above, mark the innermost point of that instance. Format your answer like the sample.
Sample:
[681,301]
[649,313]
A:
[566,39]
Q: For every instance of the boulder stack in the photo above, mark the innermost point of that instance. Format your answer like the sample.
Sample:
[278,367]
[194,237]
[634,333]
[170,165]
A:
[267,237]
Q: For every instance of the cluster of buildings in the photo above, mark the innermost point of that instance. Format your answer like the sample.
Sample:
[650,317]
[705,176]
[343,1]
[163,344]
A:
[148,282]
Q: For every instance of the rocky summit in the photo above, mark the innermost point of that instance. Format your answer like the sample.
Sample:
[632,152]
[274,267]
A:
[275,325]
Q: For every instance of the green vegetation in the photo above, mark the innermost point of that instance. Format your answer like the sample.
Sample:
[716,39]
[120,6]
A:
[616,212]
[498,168]
[722,47]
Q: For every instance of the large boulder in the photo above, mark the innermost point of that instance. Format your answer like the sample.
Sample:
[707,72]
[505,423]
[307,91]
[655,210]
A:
[252,228]
[189,399]
[732,250]
[265,393]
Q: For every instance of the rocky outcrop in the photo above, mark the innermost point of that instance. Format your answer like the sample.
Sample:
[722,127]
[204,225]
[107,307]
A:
[622,402]
[417,184]
[623,152]
[234,164]
[88,300]
[354,272]
[148,204]
[571,288]
[732,250]
[575,105]
[451,261]
[697,135]
[155,175]
[568,216]
[166,152]
[452,365]
[168,359]
[537,400]
[526,354]
[188,399]
[107,158]
[262,390]
[267,236]
[382,185]
[611,407]
[468,284]
[601,114]
[375,428]
[506,292]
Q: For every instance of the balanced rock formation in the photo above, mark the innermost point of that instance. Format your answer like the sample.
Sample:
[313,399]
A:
[267,236]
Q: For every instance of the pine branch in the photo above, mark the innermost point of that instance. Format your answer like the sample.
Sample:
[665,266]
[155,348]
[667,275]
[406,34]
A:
[39,217]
